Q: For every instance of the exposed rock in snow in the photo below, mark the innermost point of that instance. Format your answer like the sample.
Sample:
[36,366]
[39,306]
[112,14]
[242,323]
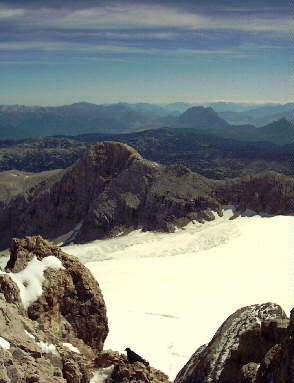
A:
[245,337]
[30,280]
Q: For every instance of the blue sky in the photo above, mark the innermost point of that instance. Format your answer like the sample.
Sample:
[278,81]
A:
[144,51]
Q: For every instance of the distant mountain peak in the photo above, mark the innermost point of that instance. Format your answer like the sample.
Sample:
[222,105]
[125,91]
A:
[202,118]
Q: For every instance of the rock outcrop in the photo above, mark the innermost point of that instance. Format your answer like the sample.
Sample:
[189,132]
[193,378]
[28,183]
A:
[122,371]
[239,348]
[267,192]
[278,363]
[53,322]
[71,304]
[113,190]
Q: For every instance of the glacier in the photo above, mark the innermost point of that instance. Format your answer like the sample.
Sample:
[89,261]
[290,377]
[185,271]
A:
[167,294]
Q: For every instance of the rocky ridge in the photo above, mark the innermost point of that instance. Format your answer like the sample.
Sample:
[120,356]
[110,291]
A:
[58,336]
[113,190]
[252,346]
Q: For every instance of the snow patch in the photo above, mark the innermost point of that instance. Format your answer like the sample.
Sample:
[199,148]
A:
[3,261]
[30,335]
[71,347]
[195,238]
[29,280]
[48,348]
[4,343]
[102,374]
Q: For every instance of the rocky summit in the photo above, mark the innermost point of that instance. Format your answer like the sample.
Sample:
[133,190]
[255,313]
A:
[113,190]
[53,322]
[252,346]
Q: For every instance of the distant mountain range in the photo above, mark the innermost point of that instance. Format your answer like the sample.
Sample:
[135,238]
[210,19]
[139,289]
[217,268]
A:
[259,116]
[208,121]
[24,121]
[210,155]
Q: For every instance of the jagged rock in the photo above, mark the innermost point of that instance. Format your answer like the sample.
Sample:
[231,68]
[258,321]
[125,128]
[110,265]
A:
[248,372]
[267,192]
[278,363]
[10,291]
[58,337]
[71,304]
[244,338]
[123,371]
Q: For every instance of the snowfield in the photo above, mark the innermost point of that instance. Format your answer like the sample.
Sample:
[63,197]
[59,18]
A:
[167,294]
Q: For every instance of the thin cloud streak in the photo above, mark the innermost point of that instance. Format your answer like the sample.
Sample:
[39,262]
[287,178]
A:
[161,17]
[61,47]
[130,17]
[6,13]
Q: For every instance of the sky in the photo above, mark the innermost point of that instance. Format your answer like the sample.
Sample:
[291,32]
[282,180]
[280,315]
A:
[54,53]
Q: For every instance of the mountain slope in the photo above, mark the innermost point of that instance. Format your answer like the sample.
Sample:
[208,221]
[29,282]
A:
[113,190]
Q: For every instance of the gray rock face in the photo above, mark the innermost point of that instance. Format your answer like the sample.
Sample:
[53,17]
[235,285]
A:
[113,190]
[238,347]
[278,363]
[267,192]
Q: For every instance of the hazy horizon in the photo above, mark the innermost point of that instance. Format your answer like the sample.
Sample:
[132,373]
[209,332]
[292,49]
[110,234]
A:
[196,103]
[144,51]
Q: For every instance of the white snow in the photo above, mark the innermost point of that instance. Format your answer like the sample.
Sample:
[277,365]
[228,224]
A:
[3,261]
[102,374]
[71,347]
[30,335]
[29,280]
[167,294]
[4,343]
[48,348]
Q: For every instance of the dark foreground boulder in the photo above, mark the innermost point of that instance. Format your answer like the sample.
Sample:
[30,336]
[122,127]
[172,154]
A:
[238,348]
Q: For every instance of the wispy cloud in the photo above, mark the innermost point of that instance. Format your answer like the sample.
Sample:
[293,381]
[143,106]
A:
[126,17]
[139,29]
[6,13]
[116,49]
[130,17]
